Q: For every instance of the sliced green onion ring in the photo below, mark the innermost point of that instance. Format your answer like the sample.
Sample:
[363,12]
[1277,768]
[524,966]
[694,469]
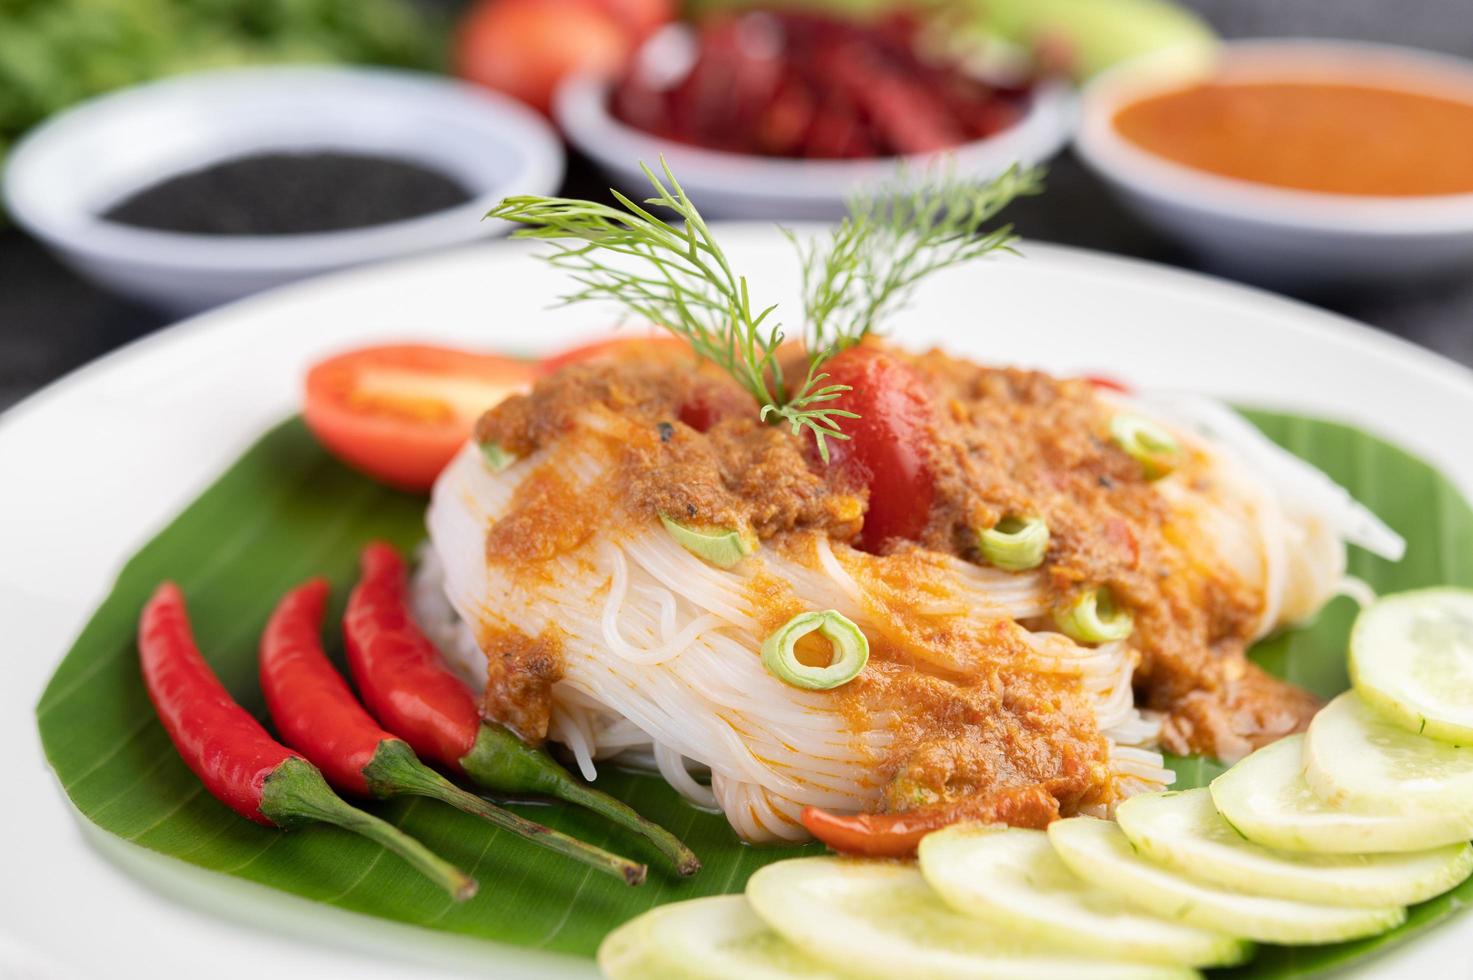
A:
[1014,544]
[1093,617]
[496,458]
[851,651]
[720,546]
[1146,442]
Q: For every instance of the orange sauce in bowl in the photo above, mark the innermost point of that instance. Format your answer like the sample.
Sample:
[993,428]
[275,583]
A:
[1335,138]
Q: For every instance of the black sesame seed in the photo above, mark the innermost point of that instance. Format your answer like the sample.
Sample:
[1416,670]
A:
[667,431]
[289,194]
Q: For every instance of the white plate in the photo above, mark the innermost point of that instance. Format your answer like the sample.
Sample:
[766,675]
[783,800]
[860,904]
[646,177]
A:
[94,465]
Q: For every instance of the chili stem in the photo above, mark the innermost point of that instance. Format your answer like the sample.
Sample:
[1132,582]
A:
[684,859]
[295,792]
[502,763]
[396,770]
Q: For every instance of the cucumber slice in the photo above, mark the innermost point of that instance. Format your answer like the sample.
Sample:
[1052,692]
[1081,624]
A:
[1011,879]
[1354,756]
[1411,657]
[881,919]
[716,938]
[1185,831]
[1097,850]
[1266,799]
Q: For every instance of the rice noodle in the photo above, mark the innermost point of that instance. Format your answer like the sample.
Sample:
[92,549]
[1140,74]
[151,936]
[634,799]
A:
[659,650]
[663,661]
[672,767]
[1301,488]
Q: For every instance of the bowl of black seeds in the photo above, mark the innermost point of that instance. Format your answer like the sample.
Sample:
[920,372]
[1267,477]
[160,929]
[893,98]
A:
[199,189]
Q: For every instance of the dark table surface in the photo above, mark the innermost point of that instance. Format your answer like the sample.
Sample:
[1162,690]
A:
[52,322]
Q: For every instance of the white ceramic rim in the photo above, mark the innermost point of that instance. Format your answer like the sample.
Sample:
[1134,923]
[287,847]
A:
[102,458]
[580,106]
[83,232]
[1103,149]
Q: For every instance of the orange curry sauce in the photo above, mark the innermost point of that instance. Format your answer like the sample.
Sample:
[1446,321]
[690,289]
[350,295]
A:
[1330,137]
[977,729]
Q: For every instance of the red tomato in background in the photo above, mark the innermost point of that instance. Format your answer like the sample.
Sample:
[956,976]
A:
[399,413]
[640,18]
[888,449]
[617,347]
[526,47]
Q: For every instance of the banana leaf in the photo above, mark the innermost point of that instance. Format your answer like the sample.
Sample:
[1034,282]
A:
[286,511]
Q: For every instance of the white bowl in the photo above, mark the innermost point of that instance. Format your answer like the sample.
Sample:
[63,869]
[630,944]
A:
[1282,236]
[736,185]
[67,172]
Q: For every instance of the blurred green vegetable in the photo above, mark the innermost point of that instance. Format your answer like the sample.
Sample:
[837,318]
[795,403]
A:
[57,52]
[1082,37]
[1088,36]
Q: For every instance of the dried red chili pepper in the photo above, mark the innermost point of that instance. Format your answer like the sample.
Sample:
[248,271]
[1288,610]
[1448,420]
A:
[413,694]
[241,765]
[888,835]
[317,714]
[802,84]
[893,835]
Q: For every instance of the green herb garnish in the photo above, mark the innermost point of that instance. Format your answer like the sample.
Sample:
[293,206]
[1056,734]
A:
[1014,544]
[849,644]
[677,276]
[1146,442]
[869,266]
[1093,617]
[721,546]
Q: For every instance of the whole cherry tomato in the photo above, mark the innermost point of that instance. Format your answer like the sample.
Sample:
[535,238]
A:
[888,449]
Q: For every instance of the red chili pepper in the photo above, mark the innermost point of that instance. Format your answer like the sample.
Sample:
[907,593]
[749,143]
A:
[241,765]
[310,703]
[1101,381]
[888,835]
[317,713]
[413,694]
[399,672]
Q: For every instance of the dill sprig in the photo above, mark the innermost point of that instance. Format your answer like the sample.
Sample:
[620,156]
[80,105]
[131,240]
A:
[893,237]
[806,409]
[677,276]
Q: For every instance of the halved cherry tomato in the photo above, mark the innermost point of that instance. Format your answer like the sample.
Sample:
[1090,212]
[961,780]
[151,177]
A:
[711,404]
[705,408]
[887,450]
[1102,381]
[400,412]
[632,344]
